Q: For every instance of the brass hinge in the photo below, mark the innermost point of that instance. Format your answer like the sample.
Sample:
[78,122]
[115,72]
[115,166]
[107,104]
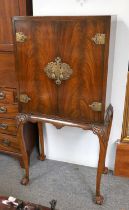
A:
[24,98]
[96,106]
[21,37]
[99,38]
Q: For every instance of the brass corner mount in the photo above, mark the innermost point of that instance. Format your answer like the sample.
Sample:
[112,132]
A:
[21,37]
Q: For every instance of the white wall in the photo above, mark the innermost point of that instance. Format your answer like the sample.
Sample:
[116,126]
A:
[72,144]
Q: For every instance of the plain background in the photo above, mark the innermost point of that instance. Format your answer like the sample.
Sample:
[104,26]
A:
[73,144]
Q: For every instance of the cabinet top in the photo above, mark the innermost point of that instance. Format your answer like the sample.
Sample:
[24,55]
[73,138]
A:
[62,17]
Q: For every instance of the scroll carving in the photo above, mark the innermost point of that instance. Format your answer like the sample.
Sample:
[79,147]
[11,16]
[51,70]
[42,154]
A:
[22,118]
[101,130]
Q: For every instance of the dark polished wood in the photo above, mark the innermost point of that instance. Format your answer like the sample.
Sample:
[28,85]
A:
[7,70]
[8,9]
[9,143]
[41,141]
[76,48]
[101,130]
[41,100]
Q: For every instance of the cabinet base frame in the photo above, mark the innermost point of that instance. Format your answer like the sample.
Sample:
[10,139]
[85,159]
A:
[101,130]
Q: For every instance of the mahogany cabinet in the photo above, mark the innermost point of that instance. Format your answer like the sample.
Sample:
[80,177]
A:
[62,67]
[70,43]
[9,142]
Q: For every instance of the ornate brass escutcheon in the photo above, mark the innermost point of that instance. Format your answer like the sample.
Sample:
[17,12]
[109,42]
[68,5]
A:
[58,71]
[21,37]
[96,106]
[24,98]
[99,38]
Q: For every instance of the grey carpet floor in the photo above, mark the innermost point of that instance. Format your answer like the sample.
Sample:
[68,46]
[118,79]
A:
[73,186]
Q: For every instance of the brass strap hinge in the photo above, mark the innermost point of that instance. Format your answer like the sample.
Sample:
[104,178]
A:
[21,37]
[96,106]
[99,39]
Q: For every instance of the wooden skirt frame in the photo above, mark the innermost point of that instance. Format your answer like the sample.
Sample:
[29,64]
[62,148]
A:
[101,130]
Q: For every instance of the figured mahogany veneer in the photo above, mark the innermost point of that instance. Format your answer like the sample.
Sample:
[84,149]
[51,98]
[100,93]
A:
[62,65]
[70,38]
[9,143]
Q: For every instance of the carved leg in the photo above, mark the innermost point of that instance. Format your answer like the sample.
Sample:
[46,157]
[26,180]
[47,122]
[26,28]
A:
[41,142]
[105,169]
[102,154]
[107,134]
[103,133]
[25,159]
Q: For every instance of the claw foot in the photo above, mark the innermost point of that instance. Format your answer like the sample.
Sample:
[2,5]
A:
[25,181]
[42,157]
[99,200]
[105,171]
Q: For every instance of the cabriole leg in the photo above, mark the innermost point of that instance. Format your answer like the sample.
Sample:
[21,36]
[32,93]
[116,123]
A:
[102,154]
[103,133]
[25,159]
[41,142]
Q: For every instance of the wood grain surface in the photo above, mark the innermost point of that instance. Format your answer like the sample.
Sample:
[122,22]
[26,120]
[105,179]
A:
[70,38]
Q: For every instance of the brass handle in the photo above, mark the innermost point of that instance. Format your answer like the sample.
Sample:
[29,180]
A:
[24,98]
[96,106]
[2,95]
[3,126]
[6,142]
[3,109]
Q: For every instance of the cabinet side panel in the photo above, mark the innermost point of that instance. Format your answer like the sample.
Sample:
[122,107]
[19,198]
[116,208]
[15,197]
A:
[111,59]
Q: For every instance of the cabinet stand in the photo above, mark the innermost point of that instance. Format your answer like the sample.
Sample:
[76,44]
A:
[101,130]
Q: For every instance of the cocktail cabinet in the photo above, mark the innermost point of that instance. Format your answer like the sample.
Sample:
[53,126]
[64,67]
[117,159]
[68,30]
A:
[62,68]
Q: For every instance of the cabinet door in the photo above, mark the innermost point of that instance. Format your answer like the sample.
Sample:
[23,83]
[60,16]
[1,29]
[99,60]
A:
[8,9]
[73,40]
